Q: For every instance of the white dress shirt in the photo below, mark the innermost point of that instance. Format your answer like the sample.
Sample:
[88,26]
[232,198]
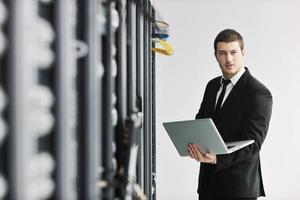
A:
[229,87]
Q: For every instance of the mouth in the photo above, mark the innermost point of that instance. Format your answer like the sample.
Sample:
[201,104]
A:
[229,65]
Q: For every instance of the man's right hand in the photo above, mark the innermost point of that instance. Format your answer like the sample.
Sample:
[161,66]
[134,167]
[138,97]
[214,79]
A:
[195,153]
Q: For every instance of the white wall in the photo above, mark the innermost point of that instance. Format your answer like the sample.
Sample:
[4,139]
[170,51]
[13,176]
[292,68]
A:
[271,30]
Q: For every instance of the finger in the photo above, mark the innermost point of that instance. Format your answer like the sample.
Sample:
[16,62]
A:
[194,153]
[190,151]
[200,156]
[189,147]
[195,148]
[209,156]
[203,153]
[198,149]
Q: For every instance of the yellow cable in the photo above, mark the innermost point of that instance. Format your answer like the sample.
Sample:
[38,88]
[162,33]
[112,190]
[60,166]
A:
[167,50]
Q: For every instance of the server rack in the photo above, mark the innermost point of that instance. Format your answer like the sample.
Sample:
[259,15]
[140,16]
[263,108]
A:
[77,99]
[3,101]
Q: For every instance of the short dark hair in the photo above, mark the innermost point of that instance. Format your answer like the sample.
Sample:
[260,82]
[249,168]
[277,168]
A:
[229,35]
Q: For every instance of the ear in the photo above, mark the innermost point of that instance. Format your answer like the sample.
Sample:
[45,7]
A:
[215,53]
[243,52]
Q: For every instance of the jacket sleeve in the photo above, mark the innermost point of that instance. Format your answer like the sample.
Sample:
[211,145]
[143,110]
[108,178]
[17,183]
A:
[256,123]
[203,110]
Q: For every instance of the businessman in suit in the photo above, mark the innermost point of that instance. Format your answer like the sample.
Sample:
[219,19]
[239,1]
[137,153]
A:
[240,107]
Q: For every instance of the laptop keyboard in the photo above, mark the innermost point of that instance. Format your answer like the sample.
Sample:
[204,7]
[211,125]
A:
[230,146]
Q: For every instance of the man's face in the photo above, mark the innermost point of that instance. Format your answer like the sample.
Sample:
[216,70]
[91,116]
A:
[230,58]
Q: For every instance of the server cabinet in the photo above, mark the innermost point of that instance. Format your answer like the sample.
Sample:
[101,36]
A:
[77,99]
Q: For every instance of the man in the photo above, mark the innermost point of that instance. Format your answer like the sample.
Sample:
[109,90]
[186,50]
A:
[240,107]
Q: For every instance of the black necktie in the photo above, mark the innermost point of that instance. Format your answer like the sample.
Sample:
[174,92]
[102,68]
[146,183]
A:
[221,97]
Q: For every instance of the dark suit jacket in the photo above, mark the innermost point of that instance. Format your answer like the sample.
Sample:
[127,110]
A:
[245,114]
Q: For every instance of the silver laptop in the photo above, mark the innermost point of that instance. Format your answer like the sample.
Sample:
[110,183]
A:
[202,132]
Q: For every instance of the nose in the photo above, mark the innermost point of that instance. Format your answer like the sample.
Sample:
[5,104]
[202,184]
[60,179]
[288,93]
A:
[228,57]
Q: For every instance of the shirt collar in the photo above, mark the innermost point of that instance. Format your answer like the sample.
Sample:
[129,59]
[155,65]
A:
[236,77]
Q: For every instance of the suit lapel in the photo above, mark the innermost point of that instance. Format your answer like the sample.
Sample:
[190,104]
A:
[213,96]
